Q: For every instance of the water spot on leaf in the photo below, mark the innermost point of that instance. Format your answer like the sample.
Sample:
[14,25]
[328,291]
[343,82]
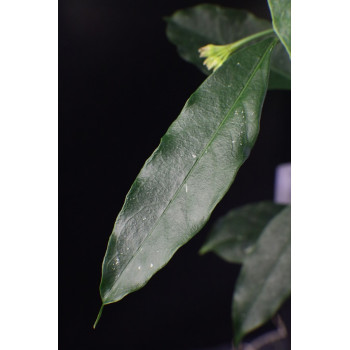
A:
[114,264]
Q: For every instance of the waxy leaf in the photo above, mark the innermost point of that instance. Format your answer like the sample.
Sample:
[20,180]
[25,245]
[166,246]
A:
[188,174]
[194,27]
[234,235]
[280,13]
[264,281]
[280,69]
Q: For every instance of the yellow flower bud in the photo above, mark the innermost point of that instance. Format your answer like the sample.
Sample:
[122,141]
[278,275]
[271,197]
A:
[216,54]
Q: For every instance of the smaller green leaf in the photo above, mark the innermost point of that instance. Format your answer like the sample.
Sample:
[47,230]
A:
[234,235]
[280,13]
[264,281]
[194,27]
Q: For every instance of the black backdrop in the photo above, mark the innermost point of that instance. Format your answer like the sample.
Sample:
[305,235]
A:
[121,84]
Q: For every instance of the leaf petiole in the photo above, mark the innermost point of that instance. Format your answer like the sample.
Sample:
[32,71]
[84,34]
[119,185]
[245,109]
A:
[98,316]
[253,37]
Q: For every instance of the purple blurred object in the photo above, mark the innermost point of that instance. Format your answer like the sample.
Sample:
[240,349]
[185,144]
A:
[283,184]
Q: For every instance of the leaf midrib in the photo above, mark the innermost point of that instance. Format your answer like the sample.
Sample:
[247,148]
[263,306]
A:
[194,165]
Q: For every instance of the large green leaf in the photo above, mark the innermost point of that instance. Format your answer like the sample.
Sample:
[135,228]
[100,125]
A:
[280,13]
[194,27]
[264,281]
[188,174]
[235,234]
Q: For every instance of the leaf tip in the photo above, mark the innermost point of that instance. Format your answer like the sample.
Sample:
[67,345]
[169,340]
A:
[237,338]
[203,250]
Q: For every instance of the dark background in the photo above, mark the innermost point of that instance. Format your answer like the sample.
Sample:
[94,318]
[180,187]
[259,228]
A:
[121,84]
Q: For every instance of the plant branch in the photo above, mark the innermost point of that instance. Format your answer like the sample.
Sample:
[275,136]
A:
[268,338]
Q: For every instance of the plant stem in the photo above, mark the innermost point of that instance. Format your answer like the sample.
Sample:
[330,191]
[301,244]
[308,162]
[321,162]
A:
[245,40]
[98,316]
[267,338]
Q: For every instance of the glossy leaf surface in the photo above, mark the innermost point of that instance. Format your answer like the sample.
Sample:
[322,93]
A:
[264,281]
[280,13]
[194,27]
[235,234]
[188,174]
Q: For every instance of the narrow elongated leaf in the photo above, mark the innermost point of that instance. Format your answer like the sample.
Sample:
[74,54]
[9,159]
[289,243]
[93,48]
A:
[188,174]
[194,27]
[234,235]
[280,13]
[264,281]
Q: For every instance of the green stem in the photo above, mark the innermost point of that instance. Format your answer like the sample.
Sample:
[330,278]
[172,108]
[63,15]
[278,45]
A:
[98,316]
[245,40]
